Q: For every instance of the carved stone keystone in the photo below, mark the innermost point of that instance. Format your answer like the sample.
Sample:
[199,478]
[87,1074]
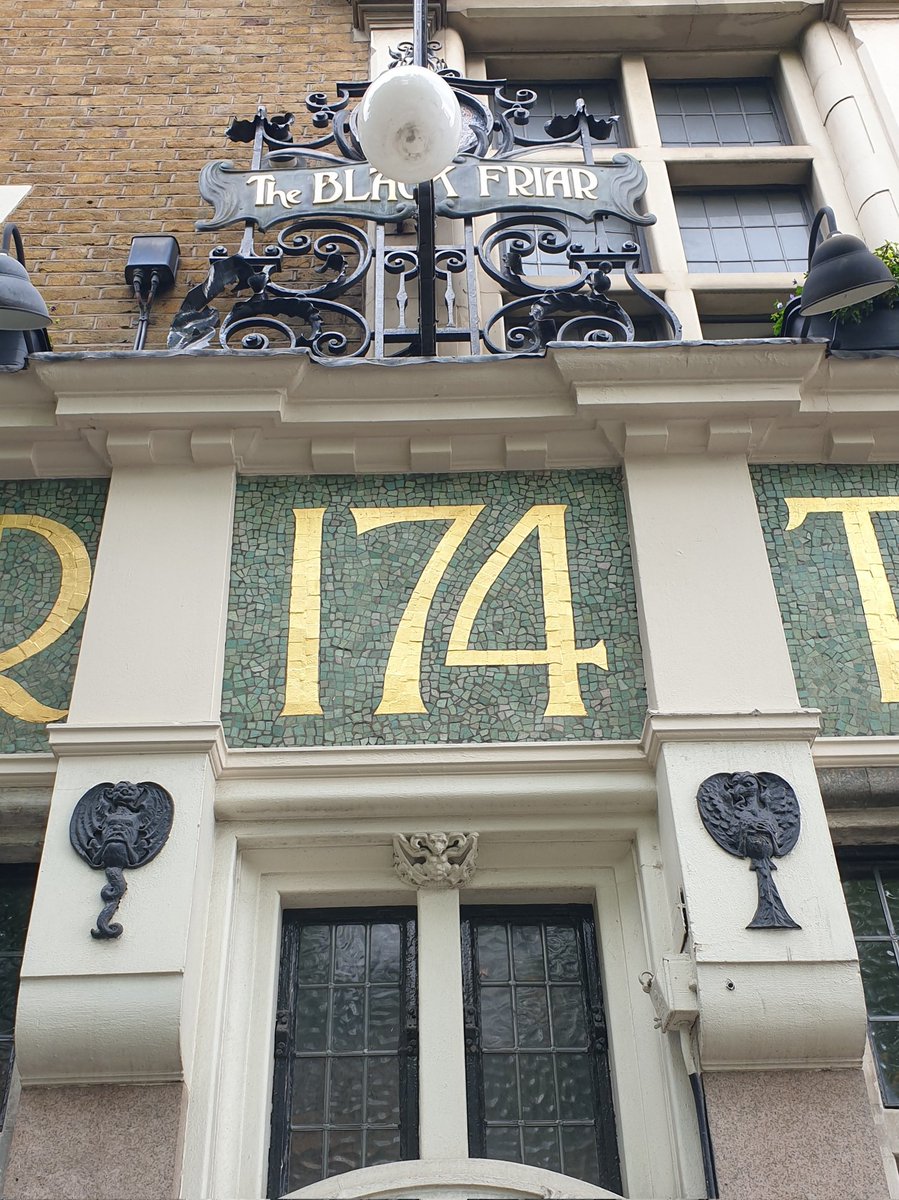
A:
[435,860]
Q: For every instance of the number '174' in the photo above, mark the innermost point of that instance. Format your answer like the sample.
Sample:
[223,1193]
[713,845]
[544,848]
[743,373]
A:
[402,675]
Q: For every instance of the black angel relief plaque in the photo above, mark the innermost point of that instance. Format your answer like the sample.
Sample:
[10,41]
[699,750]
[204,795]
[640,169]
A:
[754,817]
[119,826]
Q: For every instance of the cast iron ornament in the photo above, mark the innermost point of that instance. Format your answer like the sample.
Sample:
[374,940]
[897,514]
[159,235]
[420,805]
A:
[115,826]
[754,817]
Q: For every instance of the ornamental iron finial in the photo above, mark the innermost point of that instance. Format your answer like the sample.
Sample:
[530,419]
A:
[118,826]
[435,860]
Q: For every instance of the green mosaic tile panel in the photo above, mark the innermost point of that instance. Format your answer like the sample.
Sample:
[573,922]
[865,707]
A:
[818,590]
[30,579]
[366,582]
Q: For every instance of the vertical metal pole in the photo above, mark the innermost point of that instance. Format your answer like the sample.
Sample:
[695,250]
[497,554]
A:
[427,217]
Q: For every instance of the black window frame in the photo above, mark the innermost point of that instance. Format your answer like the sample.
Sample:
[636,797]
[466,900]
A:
[25,875]
[744,81]
[285,1057]
[876,859]
[581,918]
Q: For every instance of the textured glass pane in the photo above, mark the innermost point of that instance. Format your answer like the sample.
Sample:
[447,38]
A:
[348,1019]
[383,1018]
[569,1026]
[541,1147]
[763,243]
[493,952]
[730,244]
[382,1146]
[721,208]
[698,245]
[575,1087]
[500,1088]
[16,892]
[349,954]
[9,987]
[794,239]
[346,1091]
[764,130]
[344,1150]
[890,886]
[305,1158]
[885,1042]
[538,1087]
[694,100]
[690,211]
[5,1072]
[880,976]
[308,1105]
[756,98]
[503,1142]
[561,952]
[527,952]
[533,1016]
[724,99]
[315,954]
[385,953]
[496,1017]
[383,1106]
[788,206]
[312,1019]
[579,1154]
[672,131]
[732,130]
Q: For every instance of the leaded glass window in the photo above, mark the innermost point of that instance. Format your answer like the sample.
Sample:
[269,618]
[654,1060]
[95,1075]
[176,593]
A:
[345,1089]
[871,887]
[744,230]
[738,112]
[16,892]
[539,1089]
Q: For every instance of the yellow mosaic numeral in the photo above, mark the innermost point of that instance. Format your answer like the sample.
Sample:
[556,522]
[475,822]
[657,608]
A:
[560,655]
[74,585]
[301,698]
[878,604]
[402,677]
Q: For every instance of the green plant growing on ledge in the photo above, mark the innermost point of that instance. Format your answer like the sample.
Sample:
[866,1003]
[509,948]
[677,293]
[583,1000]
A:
[888,254]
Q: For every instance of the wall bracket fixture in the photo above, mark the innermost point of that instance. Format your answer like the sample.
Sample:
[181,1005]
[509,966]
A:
[119,826]
[754,817]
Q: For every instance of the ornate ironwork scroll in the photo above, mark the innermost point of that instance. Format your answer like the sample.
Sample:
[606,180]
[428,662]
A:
[435,860]
[527,213]
[119,826]
[754,817]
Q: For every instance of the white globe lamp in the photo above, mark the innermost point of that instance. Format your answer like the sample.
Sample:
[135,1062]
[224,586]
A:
[409,124]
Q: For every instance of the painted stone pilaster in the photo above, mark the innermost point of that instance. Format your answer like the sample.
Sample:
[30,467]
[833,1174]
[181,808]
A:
[144,707]
[723,700]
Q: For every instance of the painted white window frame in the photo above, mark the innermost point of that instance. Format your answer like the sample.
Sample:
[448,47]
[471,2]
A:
[263,867]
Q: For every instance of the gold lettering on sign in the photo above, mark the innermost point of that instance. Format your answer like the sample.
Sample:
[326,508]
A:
[560,655]
[301,698]
[74,585]
[878,603]
[402,677]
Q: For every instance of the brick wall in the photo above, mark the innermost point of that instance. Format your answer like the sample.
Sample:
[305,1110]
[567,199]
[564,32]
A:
[109,109]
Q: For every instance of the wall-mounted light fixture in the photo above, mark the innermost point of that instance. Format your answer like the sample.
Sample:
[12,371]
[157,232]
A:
[151,269]
[841,270]
[23,313]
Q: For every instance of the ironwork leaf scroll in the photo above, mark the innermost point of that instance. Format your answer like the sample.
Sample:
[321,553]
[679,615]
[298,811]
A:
[754,816]
[117,826]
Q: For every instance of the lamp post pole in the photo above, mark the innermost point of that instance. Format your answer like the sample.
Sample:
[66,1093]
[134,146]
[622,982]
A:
[427,217]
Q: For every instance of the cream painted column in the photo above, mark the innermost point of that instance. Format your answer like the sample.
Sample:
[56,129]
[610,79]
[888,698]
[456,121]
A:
[772,1002]
[437,865]
[145,706]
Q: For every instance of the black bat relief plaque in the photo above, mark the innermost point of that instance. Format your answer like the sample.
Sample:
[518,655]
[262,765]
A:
[755,817]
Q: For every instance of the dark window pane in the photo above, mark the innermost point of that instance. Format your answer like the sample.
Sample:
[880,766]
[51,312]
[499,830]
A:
[527,952]
[550,1088]
[346,1091]
[533,1016]
[16,892]
[743,230]
[707,113]
[558,98]
[308,1101]
[889,881]
[541,1147]
[344,1088]
[885,1043]
[880,975]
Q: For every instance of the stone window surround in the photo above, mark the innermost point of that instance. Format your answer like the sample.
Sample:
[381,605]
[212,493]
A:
[228,1116]
[808,163]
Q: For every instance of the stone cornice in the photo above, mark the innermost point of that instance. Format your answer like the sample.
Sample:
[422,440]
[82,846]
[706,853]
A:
[394,14]
[773,400]
[205,737]
[843,12]
[798,725]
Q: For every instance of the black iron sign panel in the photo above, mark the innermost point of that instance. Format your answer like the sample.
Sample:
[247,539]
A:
[467,188]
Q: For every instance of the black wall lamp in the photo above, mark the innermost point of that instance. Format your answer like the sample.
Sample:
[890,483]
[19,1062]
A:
[23,314]
[151,269]
[841,270]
